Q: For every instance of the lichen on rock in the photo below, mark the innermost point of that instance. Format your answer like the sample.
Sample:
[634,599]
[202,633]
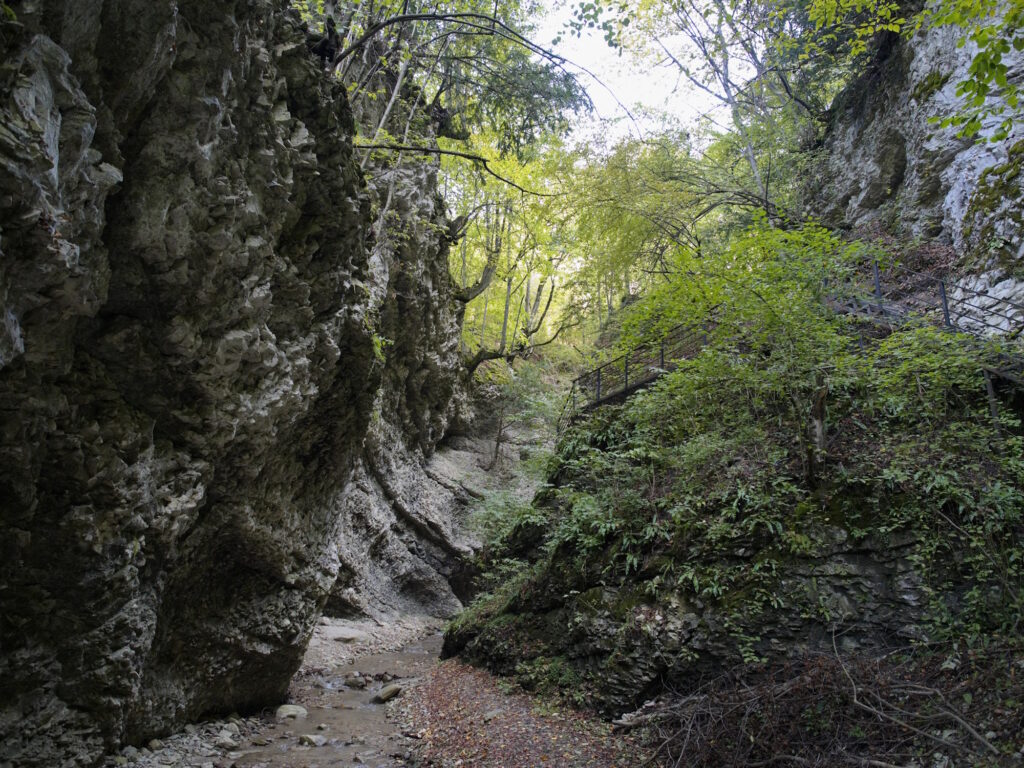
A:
[188,364]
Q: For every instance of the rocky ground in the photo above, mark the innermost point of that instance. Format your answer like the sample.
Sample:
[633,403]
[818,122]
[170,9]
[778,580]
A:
[374,694]
[331,718]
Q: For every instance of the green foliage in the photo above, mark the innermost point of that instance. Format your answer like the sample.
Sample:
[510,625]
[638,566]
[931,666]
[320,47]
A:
[712,485]
[497,517]
[992,27]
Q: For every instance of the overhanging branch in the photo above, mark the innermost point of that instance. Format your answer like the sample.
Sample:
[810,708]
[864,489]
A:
[480,161]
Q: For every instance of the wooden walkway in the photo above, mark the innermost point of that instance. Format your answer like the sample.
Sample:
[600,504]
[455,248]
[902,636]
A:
[891,297]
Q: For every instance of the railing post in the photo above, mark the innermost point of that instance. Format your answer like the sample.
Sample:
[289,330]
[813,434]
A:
[574,397]
[993,402]
[625,366]
[945,303]
[598,395]
[878,284]
[662,357]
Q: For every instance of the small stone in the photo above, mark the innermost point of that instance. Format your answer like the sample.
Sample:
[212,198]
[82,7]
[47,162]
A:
[130,753]
[345,635]
[387,693]
[231,728]
[292,711]
[488,716]
[322,727]
[120,760]
[225,742]
[991,735]
[155,744]
[261,742]
[312,740]
[190,728]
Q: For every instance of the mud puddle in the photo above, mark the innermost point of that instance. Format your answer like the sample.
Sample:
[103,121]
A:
[345,724]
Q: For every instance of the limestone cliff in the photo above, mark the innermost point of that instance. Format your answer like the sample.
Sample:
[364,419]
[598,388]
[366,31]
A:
[889,163]
[410,548]
[188,363]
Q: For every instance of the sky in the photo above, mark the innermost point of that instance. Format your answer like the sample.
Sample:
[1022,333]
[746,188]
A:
[633,83]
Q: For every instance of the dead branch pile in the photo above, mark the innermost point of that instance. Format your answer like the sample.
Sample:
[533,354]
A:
[826,710]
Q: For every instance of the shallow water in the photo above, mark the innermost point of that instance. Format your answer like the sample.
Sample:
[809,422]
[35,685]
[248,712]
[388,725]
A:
[356,730]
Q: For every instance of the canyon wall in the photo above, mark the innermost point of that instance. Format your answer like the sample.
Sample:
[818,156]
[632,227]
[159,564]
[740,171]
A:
[890,164]
[192,310]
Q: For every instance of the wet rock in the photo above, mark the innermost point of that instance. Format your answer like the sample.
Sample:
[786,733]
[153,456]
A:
[190,318]
[290,712]
[387,693]
[312,740]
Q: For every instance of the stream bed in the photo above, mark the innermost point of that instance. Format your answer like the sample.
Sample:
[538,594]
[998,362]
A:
[345,722]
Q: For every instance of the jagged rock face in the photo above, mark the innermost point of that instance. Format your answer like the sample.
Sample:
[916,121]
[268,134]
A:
[888,162]
[403,549]
[187,371]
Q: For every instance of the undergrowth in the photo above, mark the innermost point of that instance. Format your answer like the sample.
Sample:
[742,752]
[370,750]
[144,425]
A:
[805,470]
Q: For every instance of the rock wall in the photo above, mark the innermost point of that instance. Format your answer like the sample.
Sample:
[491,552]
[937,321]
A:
[612,645]
[188,363]
[888,163]
[410,549]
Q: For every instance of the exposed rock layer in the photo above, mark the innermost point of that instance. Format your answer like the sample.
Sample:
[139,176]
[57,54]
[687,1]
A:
[889,163]
[188,363]
[402,548]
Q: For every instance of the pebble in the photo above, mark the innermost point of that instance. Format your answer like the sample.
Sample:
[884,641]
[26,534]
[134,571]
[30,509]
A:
[225,742]
[286,711]
[387,693]
[155,744]
[356,682]
[312,740]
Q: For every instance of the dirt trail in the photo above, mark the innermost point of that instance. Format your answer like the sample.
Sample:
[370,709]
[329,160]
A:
[445,714]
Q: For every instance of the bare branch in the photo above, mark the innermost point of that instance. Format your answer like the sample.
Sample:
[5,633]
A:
[480,161]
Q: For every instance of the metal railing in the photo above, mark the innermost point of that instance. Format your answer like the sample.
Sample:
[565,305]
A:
[893,296]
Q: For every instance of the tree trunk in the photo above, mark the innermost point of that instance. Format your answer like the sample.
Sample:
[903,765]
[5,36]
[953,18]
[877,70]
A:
[504,321]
